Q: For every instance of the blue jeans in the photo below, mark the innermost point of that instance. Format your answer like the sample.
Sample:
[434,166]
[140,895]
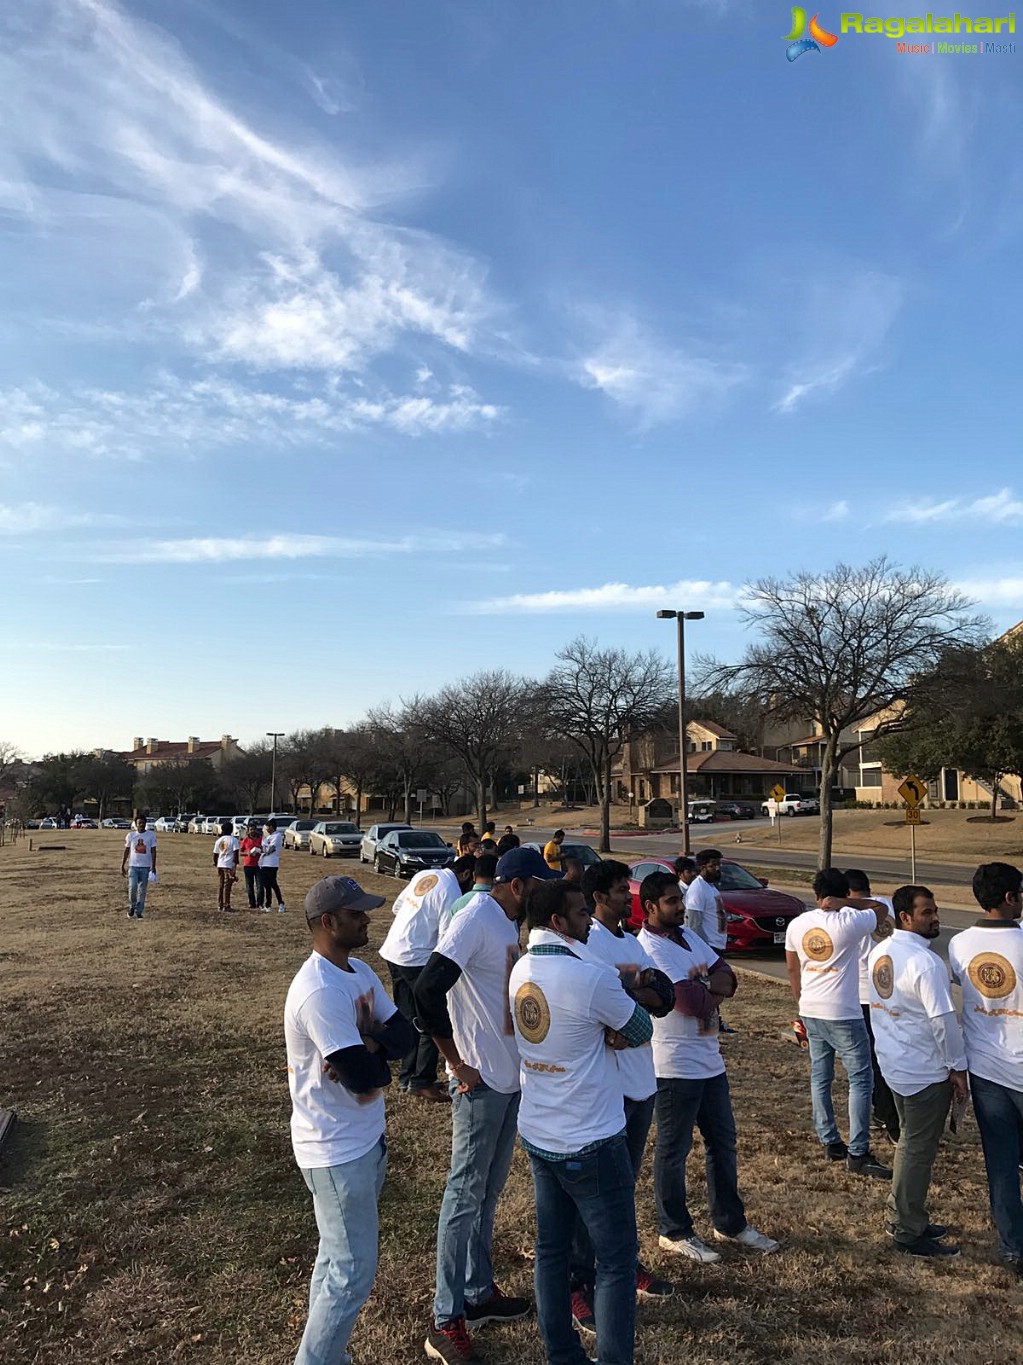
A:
[138,885]
[345,1203]
[847,1039]
[482,1147]
[638,1117]
[999,1112]
[600,1189]
[679,1106]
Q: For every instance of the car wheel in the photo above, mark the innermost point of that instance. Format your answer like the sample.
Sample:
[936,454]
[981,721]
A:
[325,853]
[377,867]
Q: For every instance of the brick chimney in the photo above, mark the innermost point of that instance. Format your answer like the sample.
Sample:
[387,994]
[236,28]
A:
[136,744]
[152,745]
[193,743]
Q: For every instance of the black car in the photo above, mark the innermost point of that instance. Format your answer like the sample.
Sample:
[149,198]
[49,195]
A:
[734,810]
[404,852]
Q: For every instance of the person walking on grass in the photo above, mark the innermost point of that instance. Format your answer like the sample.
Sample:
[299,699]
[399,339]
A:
[420,912]
[251,846]
[692,1085]
[269,866]
[570,1013]
[462,999]
[225,860]
[340,1030]
[987,962]
[920,1050]
[138,862]
[822,956]
[606,891]
[860,896]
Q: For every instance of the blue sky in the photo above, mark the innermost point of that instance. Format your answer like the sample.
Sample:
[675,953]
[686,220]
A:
[349,348]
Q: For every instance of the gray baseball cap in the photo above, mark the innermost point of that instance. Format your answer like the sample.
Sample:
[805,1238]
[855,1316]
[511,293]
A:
[338,893]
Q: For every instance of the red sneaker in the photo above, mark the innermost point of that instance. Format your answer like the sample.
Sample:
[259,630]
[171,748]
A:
[452,1344]
[582,1311]
[650,1287]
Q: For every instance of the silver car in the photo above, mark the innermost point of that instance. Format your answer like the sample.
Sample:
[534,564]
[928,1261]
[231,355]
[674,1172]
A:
[297,834]
[372,837]
[332,838]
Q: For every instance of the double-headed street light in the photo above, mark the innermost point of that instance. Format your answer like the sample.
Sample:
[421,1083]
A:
[682,617]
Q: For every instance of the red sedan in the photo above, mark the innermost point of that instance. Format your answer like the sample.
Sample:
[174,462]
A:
[757,917]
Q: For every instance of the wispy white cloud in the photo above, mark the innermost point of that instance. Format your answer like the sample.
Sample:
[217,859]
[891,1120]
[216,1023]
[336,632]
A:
[30,518]
[653,381]
[234,549]
[838,511]
[690,594]
[846,320]
[994,592]
[1000,508]
[64,647]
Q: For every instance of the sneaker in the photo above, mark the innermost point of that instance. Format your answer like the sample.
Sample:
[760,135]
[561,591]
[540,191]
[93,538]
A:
[498,1308]
[280,908]
[139,914]
[451,1343]
[836,1151]
[934,1231]
[724,1028]
[691,1247]
[131,914]
[927,1246]
[867,1164]
[582,1311]
[750,1239]
[434,1094]
[650,1287]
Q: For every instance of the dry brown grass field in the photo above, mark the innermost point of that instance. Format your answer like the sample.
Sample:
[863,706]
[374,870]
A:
[151,1210]
[957,836]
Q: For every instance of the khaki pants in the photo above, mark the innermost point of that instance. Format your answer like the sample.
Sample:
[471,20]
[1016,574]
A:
[922,1120]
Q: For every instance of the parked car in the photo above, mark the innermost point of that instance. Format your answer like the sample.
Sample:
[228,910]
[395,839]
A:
[283,821]
[182,822]
[333,837]
[116,822]
[212,823]
[49,822]
[702,812]
[757,916]
[165,824]
[83,822]
[735,810]
[404,852]
[195,825]
[297,835]
[586,855]
[372,837]
[795,803]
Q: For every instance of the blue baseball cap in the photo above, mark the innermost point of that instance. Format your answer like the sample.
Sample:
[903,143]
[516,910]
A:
[524,863]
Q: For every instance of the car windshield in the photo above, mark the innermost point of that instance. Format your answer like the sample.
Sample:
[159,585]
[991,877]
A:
[413,840]
[304,825]
[736,878]
[335,828]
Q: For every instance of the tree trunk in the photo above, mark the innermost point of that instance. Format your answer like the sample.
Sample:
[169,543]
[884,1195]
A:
[994,795]
[605,810]
[358,804]
[481,800]
[536,788]
[827,815]
[408,801]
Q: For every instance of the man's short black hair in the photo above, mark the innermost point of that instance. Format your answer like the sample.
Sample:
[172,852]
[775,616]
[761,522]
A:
[467,827]
[859,882]
[226,826]
[601,877]
[654,886]
[558,834]
[462,865]
[830,881]
[905,897]
[707,855]
[485,867]
[547,900]
[684,864]
[506,842]
[992,882]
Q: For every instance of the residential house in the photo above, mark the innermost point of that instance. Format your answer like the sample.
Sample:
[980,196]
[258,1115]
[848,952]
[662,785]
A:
[716,768]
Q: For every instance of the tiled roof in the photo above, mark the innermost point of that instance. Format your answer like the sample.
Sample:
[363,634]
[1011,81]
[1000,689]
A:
[730,761]
[172,748]
[713,729]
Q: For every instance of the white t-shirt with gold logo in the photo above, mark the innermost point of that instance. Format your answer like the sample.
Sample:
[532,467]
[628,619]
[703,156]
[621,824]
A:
[828,944]
[909,989]
[417,913]
[988,964]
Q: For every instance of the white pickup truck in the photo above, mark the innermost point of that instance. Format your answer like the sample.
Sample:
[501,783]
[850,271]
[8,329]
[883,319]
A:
[794,803]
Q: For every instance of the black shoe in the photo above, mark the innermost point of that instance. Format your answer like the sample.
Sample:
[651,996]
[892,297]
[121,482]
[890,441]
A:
[867,1164]
[934,1231]
[498,1308]
[837,1151]
[724,1028]
[926,1246]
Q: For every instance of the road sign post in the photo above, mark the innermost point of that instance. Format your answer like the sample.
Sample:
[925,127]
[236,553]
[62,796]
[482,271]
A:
[773,806]
[912,791]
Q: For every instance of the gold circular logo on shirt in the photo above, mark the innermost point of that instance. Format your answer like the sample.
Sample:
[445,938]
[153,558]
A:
[884,977]
[532,1012]
[817,945]
[426,884]
[993,975]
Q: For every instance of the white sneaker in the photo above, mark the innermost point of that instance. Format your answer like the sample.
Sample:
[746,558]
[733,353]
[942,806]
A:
[691,1247]
[280,908]
[750,1239]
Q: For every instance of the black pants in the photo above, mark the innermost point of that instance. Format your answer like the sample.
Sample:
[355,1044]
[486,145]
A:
[268,886]
[252,887]
[419,1065]
[883,1102]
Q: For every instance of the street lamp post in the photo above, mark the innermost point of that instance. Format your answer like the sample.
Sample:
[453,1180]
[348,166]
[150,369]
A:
[275,735]
[682,617]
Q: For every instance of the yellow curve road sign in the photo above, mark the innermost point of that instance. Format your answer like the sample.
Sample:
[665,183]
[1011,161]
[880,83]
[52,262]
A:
[777,792]
[913,791]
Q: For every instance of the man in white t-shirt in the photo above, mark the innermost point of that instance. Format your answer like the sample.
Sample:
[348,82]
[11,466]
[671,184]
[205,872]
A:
[920,1050]
[822,954]
[609,900]
[705,910]
[571,1012]
[692,1087]
[269,866]
[340,1029]
[987,962]
[419,912]
[462,1000]
[138,862]
[225,860]
[862,898]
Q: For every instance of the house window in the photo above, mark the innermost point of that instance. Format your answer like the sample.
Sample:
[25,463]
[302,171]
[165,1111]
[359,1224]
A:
[706,746]
[870,777]
[950,782]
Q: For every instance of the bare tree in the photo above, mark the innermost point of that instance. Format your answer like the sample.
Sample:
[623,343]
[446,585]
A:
[105,778]
[842,648]
[248,775]
[478,720]
[360,762]
[594,697]
[405,747]
[10,758]
[304,759]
